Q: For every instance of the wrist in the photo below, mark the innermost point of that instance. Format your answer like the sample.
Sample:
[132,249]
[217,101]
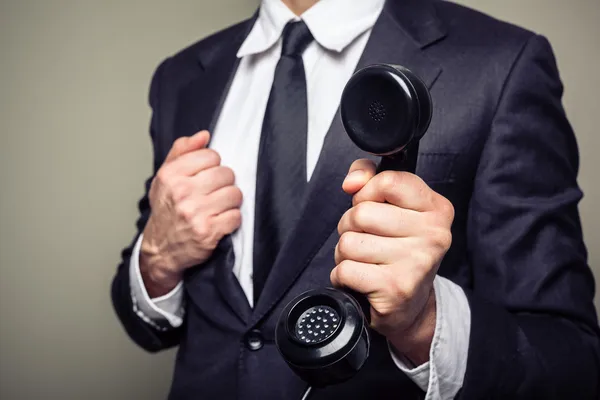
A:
[414,343]
[157,273]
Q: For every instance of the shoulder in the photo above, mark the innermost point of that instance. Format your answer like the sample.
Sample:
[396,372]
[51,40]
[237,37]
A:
[479,48]
[211,44]
[184,65]
[477,40]
[474,27]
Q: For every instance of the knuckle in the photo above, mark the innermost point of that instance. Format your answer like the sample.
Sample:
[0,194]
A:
[235,195]
[444,239]
[203,229]
[344,271]
[336,254]
[227,174]
[181,190]
[212,157]
[439,237]
[346,243]
[384,310]
[423,260]
[360,214]
[343,222]
[391,180]
[179,145]
[239,196]
[184,211]
[447,208]
[179,142]
[152,192]
[236,218]
[403,290]
[162,177]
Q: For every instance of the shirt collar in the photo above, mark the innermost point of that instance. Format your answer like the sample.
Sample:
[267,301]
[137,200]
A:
[333,23]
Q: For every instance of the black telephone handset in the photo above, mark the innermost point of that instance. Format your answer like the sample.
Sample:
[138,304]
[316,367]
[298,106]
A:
[322,334]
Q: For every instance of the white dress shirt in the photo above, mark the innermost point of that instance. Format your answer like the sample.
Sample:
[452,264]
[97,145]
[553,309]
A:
[341,29]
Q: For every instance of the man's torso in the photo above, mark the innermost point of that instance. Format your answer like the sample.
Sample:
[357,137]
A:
[464,58]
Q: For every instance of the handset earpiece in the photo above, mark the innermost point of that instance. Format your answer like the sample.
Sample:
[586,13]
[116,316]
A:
[323,333]
[386,110]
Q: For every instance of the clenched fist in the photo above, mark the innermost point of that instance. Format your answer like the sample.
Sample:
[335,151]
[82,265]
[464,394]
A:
[194,203]
[391,243]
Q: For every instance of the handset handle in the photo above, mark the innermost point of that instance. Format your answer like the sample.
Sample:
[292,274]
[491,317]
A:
[385,110]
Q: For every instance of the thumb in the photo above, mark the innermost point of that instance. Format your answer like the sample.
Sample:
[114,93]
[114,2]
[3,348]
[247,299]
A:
[361,171]
[186,144]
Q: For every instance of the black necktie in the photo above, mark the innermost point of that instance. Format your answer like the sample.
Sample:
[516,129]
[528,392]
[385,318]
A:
[281,169]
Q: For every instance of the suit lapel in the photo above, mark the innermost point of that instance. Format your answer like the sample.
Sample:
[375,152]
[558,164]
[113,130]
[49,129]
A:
[393,40]
[201,102]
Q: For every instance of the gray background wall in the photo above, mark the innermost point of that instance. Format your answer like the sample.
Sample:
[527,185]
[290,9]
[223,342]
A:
[74,152]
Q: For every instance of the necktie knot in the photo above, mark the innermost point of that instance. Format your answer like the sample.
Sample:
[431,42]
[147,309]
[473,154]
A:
[296,37]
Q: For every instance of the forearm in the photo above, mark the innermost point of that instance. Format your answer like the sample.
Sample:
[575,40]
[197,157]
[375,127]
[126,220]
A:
[126,308]
[130,299]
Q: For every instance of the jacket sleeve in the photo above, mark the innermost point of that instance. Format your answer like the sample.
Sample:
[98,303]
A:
[144,334]
[534,332]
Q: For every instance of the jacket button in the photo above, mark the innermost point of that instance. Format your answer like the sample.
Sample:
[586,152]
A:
[254,340]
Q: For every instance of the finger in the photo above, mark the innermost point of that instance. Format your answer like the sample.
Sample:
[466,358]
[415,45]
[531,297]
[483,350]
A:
[223,199]
[361,171]
[402,189]
[212,179]
[228,222]
[372,249]
[189,164]
[382,219]
[360,277]
[186,144]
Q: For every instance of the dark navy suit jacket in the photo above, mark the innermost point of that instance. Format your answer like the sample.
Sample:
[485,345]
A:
[499,147]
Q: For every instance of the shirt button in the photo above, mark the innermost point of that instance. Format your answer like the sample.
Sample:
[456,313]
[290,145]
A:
[254,340]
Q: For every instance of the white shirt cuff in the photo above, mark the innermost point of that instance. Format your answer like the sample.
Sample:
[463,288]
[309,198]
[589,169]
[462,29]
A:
[162,312]
[443,375]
